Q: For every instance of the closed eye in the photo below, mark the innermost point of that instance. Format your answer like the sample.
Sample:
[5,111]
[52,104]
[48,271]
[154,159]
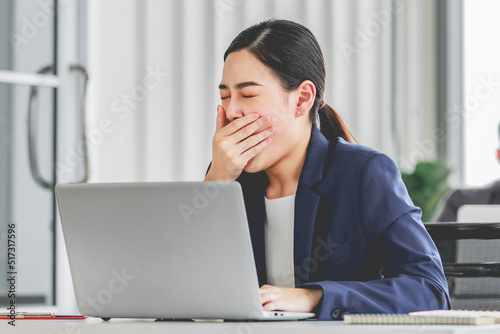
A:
[244,96]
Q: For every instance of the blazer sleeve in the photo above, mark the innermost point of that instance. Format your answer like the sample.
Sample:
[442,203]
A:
[412,277]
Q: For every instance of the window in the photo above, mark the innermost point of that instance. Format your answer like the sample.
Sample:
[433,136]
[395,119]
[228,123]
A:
[482,91]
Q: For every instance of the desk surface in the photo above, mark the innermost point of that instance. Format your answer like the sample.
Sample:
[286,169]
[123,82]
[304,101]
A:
[132,326]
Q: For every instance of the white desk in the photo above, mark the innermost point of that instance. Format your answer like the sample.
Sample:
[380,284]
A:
[126,326]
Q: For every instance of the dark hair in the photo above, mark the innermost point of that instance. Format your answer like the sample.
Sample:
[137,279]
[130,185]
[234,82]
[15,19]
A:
[291,51]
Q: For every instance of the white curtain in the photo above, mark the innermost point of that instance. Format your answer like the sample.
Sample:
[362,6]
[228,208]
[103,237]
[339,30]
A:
[155,66]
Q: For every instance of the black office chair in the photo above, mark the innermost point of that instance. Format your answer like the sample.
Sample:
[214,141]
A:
[473,285]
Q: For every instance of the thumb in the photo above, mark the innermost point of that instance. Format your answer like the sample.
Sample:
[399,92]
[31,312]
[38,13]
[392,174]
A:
[221,118]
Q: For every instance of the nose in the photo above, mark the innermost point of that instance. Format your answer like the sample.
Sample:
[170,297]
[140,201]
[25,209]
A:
[234,110]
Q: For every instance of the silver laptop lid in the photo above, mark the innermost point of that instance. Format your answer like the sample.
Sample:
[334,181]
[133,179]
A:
[164,250]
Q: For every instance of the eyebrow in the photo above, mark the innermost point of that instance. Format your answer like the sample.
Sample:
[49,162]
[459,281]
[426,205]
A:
[241,85]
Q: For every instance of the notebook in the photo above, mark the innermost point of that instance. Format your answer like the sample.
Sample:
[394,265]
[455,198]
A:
[173,250]
[435,317]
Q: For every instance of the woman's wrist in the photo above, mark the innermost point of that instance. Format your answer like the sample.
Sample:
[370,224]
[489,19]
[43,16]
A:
[211,176]
[314,296]
[317,294]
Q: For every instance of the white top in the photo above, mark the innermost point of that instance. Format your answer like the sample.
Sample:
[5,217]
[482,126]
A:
[279,241]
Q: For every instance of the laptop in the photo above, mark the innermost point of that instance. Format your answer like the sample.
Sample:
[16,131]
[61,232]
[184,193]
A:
[479,213]
[170,250]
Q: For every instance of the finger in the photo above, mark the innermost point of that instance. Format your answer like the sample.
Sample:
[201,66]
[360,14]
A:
[221,118]
[262,125]
[272,306]
[255,139]
[239,123]
[254,150]
[285,304]
[269,298]
[242,132]
[271,294]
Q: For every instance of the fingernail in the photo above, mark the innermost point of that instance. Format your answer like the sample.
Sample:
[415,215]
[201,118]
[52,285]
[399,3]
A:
[255,115]
[271,129]
[266,119]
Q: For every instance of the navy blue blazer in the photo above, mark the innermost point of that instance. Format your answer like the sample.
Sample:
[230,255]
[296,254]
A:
[357,234]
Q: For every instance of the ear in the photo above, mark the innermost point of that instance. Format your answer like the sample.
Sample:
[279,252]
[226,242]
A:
[305,95]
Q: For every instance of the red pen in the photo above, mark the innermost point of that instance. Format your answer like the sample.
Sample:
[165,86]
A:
[38,316]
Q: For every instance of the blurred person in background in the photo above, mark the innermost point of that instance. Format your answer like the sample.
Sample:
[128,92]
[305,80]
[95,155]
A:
[487,195]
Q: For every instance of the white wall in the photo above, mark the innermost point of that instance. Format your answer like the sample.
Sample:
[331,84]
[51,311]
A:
[167,134]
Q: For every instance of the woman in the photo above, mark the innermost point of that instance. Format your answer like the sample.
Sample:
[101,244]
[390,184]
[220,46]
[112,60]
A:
[333,228]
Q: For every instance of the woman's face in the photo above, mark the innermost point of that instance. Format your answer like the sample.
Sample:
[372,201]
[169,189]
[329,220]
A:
[248,86]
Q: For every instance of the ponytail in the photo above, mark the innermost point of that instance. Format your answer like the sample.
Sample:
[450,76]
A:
[292,53]
[332,125]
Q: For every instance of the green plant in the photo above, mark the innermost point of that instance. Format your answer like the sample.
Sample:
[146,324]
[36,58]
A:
[427,186]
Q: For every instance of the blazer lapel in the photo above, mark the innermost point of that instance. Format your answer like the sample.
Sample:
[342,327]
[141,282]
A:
[306,204]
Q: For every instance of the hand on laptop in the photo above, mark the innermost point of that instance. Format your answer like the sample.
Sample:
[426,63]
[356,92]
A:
[235,143]
[289,299]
